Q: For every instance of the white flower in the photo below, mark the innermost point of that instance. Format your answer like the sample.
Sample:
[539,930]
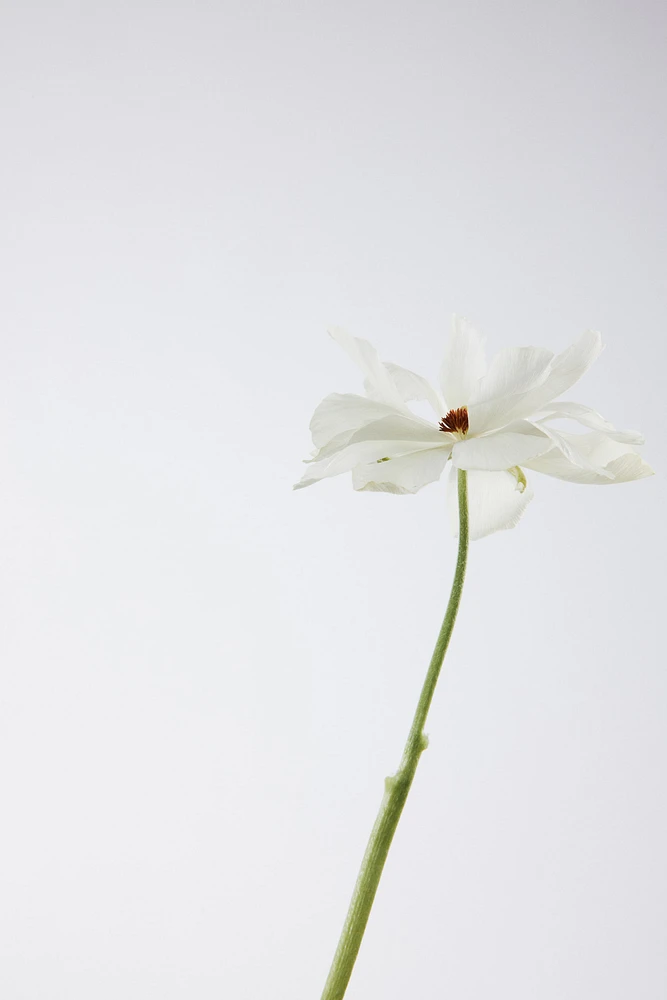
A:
[496,422]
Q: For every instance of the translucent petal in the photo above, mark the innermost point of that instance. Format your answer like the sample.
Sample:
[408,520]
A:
[414,388]
[350,456]
[399,427]
[395,428]
[390,437]
[513,374]
[568,445]
[565,369]
[366,357]
[502,449]
[463,365]
[401,475]
[587,417]
[617,462]
[340,413]
[496,501]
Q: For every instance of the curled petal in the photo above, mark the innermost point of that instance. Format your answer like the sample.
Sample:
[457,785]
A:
[608,461]
[587,417]
[496,501]
[568,445]
[349,456]
[407,474]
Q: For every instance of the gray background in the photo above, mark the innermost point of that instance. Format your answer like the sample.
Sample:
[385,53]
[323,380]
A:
[205,676]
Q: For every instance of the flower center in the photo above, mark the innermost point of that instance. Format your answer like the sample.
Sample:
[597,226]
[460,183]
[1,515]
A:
[455,422]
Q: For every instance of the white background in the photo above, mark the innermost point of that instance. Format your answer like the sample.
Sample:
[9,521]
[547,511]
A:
[206,677]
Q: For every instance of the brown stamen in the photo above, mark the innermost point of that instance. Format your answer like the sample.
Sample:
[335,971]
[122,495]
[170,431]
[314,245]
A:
[456,421]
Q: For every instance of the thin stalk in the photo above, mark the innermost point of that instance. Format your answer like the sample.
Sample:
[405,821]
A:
[398,786]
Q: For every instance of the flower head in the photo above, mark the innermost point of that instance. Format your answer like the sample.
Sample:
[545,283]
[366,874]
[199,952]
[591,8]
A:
[493,421]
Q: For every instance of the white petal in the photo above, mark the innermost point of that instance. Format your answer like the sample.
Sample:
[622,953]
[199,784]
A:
[401,475]
[366,357]
[340,413]
[389,437]
[496,500]
[568,445]
[513,374]
[589,418]
[502,449]
[399,427]
[617,462]
[413,388]
[395,428]
[359,453]
[463,365]
[566,369]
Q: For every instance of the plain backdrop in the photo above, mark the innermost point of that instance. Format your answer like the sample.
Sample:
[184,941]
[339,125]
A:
[206,677]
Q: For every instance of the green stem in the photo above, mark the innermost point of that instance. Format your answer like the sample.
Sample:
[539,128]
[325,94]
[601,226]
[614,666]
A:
[397,787]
